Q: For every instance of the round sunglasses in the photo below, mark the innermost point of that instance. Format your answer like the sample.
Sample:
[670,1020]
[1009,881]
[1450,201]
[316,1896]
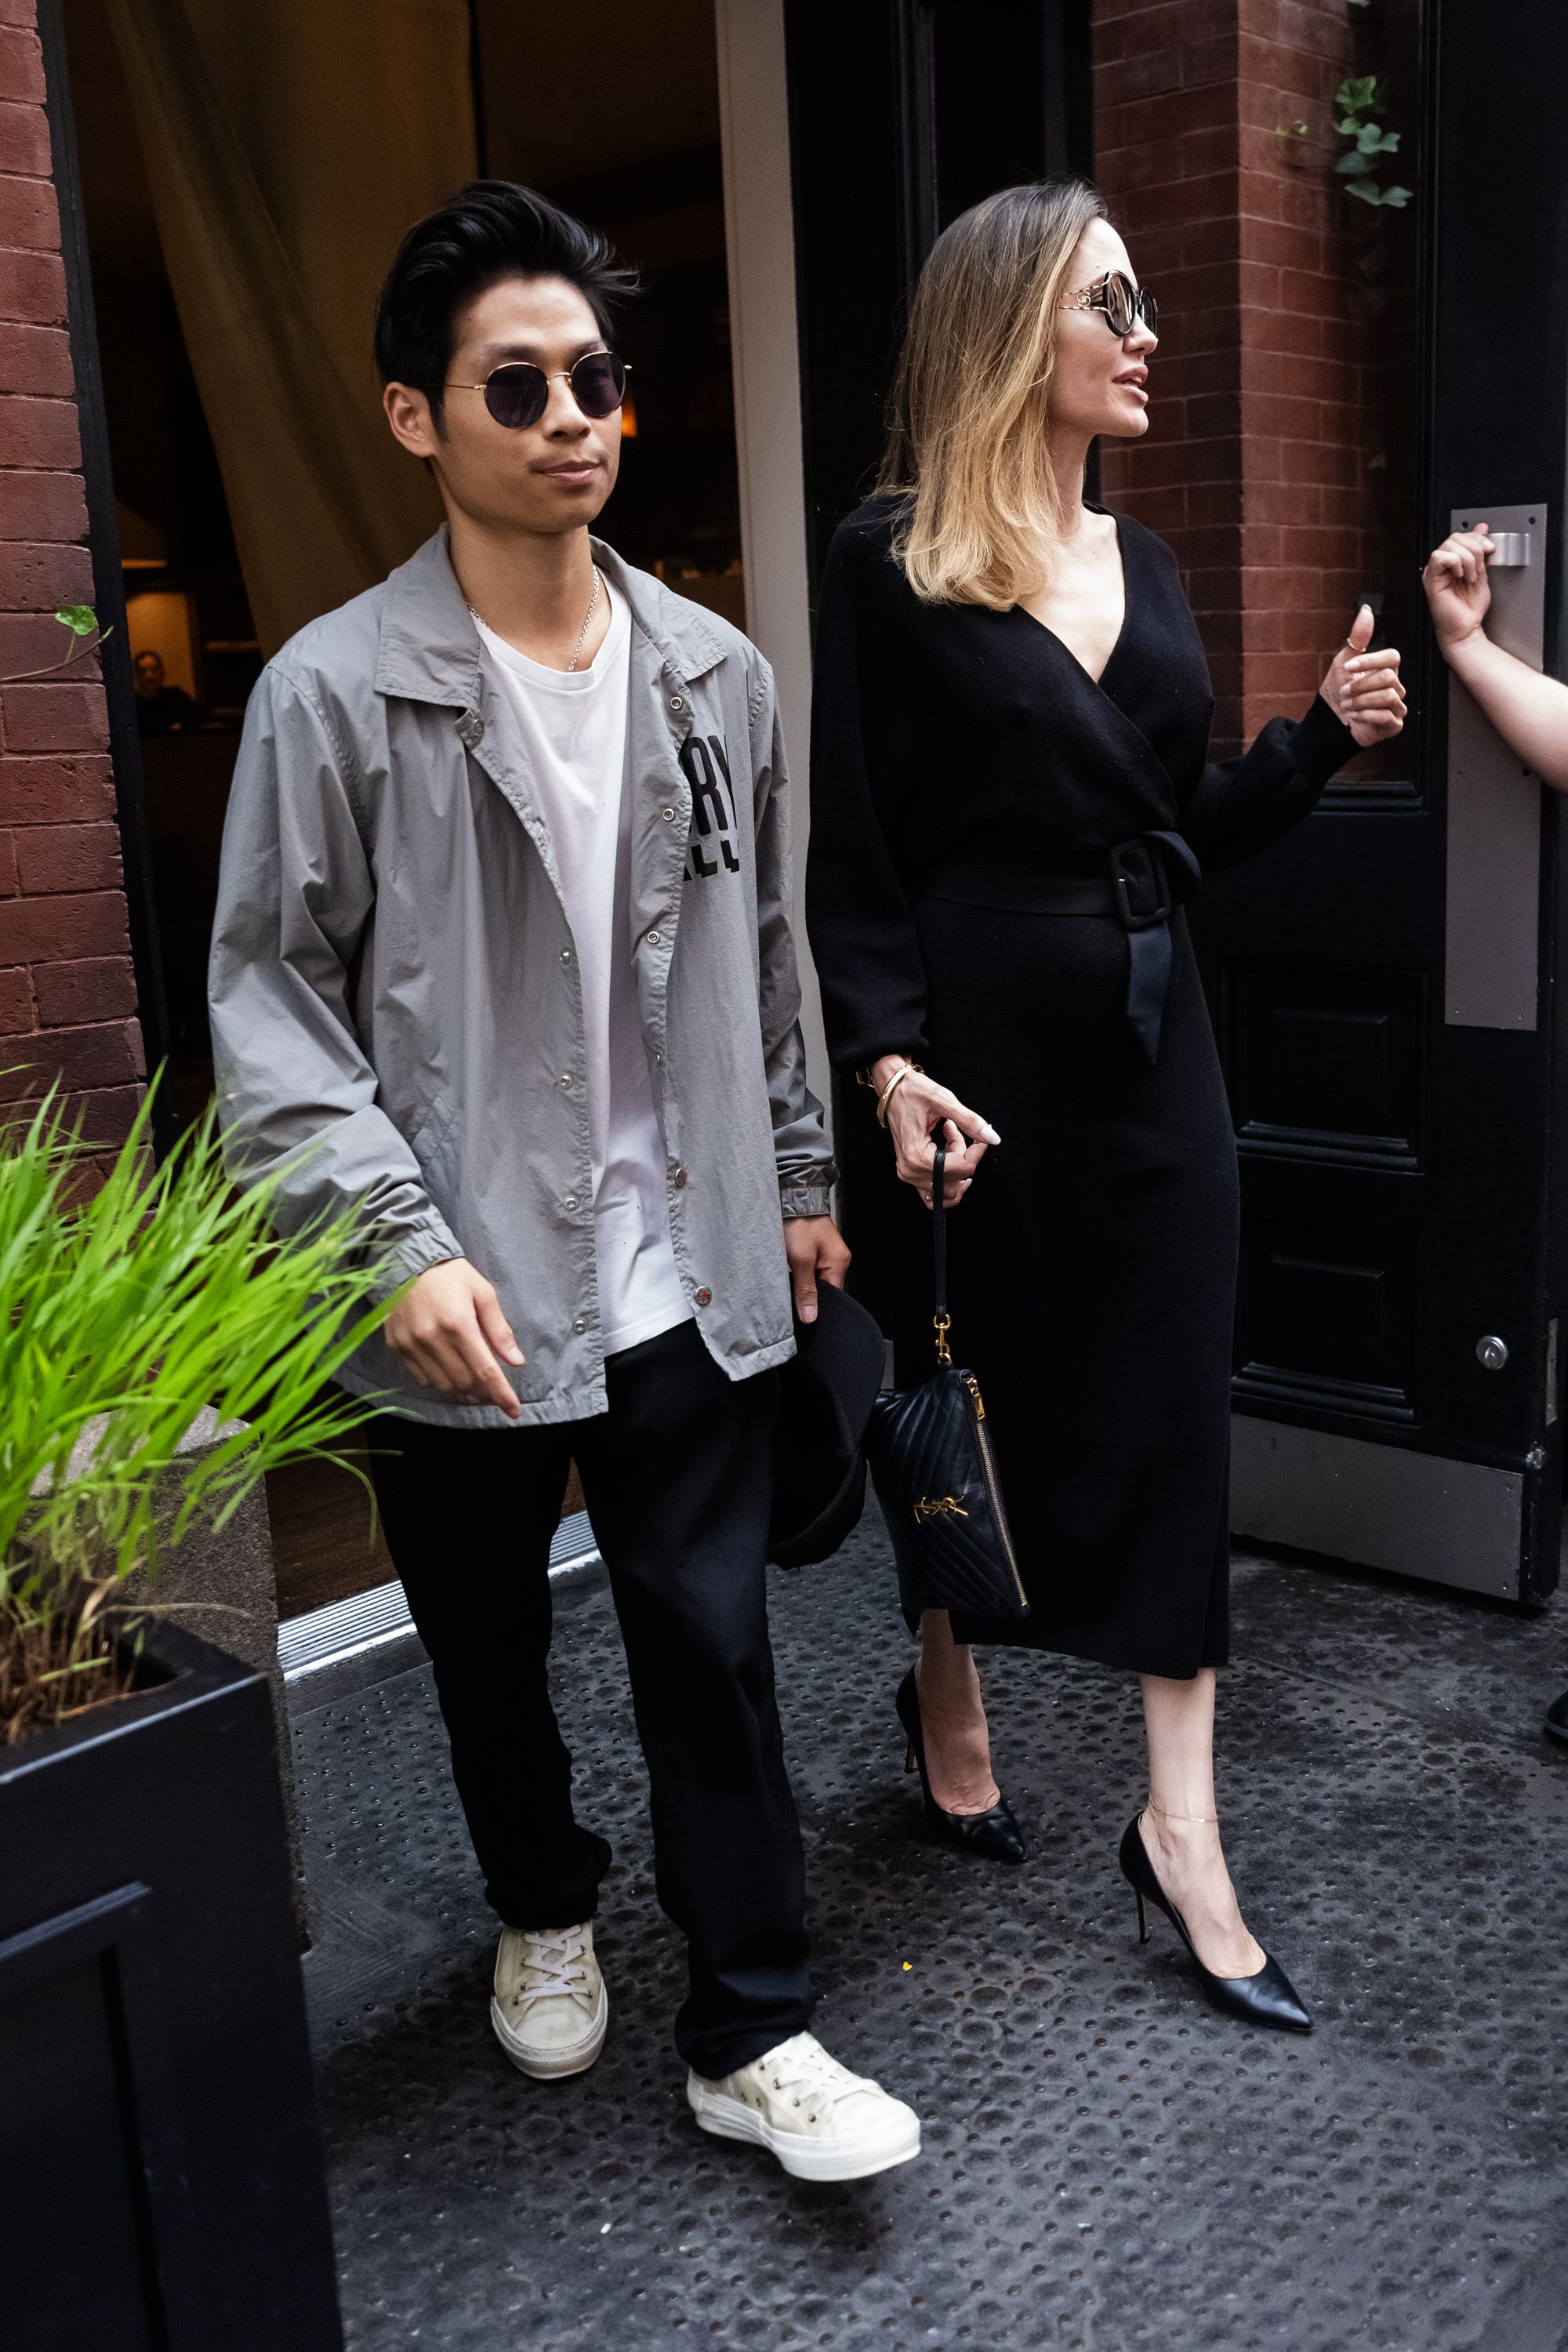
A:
[517,392]
[1121,302]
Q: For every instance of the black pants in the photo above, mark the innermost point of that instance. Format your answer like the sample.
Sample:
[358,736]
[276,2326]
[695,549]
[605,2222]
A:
[677,1476]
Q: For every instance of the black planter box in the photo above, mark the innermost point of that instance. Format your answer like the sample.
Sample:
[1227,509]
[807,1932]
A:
[161,2180]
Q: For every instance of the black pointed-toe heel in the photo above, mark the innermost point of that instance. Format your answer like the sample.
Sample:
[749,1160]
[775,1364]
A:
[995,1834]
[1266,1999]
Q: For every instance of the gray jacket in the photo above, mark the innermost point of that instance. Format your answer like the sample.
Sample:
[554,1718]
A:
[396,1011]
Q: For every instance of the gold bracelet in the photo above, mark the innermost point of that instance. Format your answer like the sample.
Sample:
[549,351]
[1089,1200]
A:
[904,1070]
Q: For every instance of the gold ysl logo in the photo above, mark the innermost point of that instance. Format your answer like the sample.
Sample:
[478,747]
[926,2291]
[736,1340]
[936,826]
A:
[936,1506]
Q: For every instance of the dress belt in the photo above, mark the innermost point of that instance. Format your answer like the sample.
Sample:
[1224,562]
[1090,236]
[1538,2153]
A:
[1142,882]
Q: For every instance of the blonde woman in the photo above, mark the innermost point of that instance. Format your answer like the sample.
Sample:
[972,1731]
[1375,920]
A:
[1011,796]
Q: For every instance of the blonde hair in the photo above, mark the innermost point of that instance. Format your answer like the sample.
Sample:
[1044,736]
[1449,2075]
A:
[966,440]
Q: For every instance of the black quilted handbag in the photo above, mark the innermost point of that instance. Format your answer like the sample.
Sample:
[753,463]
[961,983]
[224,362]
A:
[931,1462]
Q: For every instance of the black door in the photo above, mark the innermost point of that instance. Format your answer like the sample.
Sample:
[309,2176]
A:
[902,114]
[1384,983]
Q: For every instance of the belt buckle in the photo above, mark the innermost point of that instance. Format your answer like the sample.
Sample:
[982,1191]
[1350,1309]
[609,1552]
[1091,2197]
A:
[1125,879]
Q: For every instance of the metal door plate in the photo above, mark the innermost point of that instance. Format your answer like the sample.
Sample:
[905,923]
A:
[1417,1514]
[1494,803]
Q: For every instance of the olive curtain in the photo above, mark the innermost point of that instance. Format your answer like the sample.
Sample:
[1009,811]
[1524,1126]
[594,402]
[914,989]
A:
[290,145]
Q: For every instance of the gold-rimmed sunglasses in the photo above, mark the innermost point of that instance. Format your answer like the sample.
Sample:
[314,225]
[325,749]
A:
[1123,303]
[517,393]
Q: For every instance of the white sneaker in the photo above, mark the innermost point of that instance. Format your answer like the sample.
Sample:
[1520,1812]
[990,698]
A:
[549,2008]
[821,2122]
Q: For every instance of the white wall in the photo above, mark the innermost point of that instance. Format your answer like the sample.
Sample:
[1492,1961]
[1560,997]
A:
[759,224]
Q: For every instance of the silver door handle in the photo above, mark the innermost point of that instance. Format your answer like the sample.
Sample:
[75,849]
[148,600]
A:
[1511,548]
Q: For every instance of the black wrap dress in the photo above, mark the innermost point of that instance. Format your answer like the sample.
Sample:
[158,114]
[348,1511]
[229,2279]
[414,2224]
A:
[1000,846]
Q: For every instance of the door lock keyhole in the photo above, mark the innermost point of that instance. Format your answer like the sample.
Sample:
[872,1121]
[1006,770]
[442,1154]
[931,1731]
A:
[1492,1353]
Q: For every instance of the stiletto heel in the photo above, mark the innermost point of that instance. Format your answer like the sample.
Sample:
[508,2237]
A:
[1266,1999]
[994,1834]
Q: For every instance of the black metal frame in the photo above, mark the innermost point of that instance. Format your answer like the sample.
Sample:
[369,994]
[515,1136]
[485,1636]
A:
[108,585]
[912,36]
[1069,110]
[477,94]
[862,109]
[863,115]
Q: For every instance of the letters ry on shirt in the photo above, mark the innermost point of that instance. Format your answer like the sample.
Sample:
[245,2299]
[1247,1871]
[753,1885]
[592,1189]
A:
[712,818]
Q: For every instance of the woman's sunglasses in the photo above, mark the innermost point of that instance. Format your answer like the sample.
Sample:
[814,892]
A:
[517,392]
[1123,303]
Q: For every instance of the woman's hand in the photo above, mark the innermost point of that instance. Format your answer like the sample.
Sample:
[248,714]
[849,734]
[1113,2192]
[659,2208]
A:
[1458,591]
[916,1108]
[1363,688]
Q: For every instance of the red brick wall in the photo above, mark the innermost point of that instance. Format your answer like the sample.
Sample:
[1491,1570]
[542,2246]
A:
[66,998]
[1167,152]
[1265,419]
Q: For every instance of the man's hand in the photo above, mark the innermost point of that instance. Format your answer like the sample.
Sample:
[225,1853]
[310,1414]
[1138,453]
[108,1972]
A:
[817,1252]
[1458,589]
[1363,688]
[450,1333]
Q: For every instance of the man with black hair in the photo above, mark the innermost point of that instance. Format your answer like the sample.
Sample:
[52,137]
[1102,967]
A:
[502,957]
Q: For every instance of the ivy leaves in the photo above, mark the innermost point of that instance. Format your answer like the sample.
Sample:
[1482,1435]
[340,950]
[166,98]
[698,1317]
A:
[80,623]
[1357,99]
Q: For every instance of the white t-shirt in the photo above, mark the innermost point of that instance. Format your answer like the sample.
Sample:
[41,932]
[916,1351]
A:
[572,725]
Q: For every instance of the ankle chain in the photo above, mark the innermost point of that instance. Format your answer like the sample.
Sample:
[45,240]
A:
[1208,1818]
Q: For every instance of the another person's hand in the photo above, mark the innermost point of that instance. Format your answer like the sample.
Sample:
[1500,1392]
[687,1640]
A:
[450,1333]
[1363,688]
[818,1252]
[1529,711]
[1458,591]
[915,1109]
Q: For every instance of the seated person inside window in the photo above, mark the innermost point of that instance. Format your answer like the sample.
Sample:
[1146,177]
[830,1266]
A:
[161,709]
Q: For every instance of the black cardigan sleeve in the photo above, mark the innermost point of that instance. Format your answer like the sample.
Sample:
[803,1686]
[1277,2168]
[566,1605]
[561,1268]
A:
[1241,805]
[858,916]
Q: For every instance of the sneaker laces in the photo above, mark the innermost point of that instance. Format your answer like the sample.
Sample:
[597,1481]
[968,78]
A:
[803,2064]
[555,1962]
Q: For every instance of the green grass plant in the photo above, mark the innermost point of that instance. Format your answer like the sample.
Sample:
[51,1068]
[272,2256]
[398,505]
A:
[132,1300]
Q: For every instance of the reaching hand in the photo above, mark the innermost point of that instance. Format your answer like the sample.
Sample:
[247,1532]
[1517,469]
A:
[450,1333]
[1527,710]
[914,1111]
[1363,688]
[818,1252]
[1458,591]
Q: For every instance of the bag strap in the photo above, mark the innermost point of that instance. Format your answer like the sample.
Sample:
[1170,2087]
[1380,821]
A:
[941,1319]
